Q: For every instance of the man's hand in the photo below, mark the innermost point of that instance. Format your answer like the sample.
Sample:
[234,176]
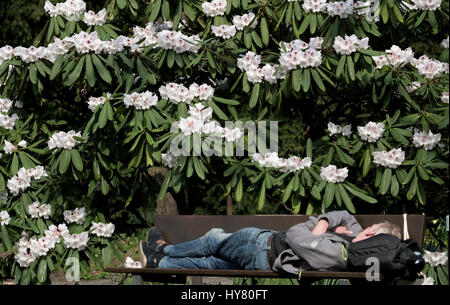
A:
[342,230]
[320,228]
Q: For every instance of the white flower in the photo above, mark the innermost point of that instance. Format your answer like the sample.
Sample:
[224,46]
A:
[314,6]
[435,258]
[198,111]
[428,67]
[76,241]
[292,164]
[190,125]
[177,41]
[332,174]
[64,140]
[25,257]
[4,218]
[445,43]
[9,148]
[77,215]
[130,263]
[91,18]
[41,246]
[426,140]
[93,102]
[340,8]
[31,54]
[334,129]
[391,159]
[347,130]
[140,101]
[350,44]
[413,87]
[444,97]
[71,9]
[395,57]
[232,135]
[214,8]
[54,232]
[371,132]
[102,230]
[430,5]
[5,104]
[224,31]
[7,121]
[240,22]
[36,209]
[22,180]
[248,61]
[427,281]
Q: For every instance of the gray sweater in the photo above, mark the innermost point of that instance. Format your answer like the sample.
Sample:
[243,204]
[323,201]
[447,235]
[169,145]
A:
[322,252]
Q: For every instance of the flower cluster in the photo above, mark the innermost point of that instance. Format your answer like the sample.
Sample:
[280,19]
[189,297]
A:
[7,121]
[427,140]
[301,54]
[391,159]
[333,174]
[91,18]
[56,48]
[395,57]
[250,64]
[130,263]
[22,180]
[177,93]
[336,129]
[76,241]
[428,67]
[140,101]
[36,209]
[177,41]
[71,9]
[426,5]
[94,102]
[64,140]
[314,6]
[214,8]
[340,8]
[224,31]
[169,160]
[89,42]
[4,218]
[102,229]
[78,215]
[240,22]
[435,258]
[10,148]
[350,44]
[371,132]
[291,164]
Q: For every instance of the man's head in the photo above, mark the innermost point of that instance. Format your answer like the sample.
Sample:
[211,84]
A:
[383,227]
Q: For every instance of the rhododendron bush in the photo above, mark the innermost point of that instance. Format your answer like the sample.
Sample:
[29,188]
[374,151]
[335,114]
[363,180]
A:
[359,91]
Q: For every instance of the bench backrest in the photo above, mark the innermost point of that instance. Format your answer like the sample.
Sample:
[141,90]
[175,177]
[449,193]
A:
[181,228]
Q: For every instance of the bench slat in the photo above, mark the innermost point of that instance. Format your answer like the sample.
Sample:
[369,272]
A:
[237,273]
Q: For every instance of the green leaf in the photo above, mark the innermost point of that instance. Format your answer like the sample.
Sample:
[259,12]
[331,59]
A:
[315,193]
[155,10]
[64,161]
[254,96]
[5,238]
[340,66]
[42,271]
[350,68]
[346,198]
[166,10]
[190,13]
[90,73]
[239,190]
[165,185]
[75,74]
[296,83]
[121,4]
[288,190]
[385,181]
[226,101]
[366,163]
[33,73]
[412,189]
[306,80]
[56,67]
[198,168]
[264,31]
[309,148]
[359,194]
[318,79]
[329,195]
[217,110]
[102,71]
[261,197]
[76,159]
[395,186]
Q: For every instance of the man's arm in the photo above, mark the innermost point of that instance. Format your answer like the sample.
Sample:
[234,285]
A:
[321,227]
[341,218]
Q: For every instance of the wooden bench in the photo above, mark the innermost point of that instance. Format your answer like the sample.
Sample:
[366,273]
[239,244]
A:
[182,228]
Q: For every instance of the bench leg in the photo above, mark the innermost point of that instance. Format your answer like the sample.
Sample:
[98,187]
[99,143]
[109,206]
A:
[137,280]
[196,280]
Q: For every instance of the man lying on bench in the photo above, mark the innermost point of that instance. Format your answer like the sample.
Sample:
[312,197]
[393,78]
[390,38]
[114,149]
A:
[317,244]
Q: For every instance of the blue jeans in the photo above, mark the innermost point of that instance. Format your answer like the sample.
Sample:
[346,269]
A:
[243,249]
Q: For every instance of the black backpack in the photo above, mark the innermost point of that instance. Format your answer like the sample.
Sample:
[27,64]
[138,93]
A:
[397,258]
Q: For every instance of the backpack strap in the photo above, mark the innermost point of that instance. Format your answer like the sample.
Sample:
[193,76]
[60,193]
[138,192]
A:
[405,227]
